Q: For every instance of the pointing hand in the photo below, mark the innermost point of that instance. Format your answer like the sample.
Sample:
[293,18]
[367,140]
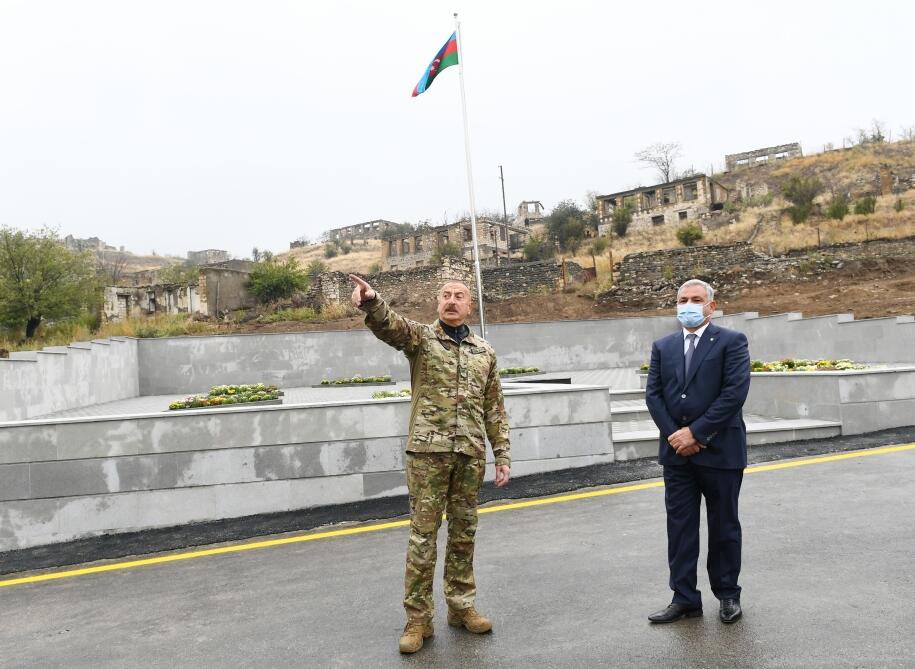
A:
[363,292]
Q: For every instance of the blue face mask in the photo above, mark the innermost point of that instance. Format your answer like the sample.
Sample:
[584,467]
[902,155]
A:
[691,315]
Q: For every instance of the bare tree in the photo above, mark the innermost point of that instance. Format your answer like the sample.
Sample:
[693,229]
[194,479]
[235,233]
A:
[111,266]
[661,156]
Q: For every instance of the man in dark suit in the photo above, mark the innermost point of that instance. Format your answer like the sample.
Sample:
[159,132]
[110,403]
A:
[698,380]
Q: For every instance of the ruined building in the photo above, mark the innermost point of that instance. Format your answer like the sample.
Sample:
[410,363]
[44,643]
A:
[685,199]
[207,256]
[770,154]
[218,289]
[368,230]
[528,213]
[417,249]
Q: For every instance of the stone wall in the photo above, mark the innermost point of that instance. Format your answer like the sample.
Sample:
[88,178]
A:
[654,276]
[422,283]
[651,269]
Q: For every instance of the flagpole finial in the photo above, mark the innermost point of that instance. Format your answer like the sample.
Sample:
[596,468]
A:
[455,15]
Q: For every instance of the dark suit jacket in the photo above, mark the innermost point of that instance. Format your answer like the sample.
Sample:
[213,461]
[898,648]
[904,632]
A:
[708,399]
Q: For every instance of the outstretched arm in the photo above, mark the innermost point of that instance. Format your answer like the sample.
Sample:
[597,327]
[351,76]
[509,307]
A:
[389,326]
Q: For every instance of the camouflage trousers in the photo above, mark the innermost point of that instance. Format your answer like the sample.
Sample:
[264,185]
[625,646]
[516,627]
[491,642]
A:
[449,483]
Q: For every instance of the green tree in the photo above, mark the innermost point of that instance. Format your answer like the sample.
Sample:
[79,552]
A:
[567,225]
[838,207]
[179,273]
[866,205]
[597,247]
[622,217]
[539,247]
[447,249]
[800,191]
[40,280]
[689,234]
[271,280]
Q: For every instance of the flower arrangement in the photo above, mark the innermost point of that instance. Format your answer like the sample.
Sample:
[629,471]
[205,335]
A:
[796,365]
[507,371]
[356,379]
[385,394]
[801,365]
[223,395]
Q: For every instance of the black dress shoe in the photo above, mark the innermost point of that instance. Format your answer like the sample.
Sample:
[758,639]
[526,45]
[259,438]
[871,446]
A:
[674,612]
[729,610]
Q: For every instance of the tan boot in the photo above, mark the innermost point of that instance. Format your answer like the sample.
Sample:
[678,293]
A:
[469,619]
[413,634]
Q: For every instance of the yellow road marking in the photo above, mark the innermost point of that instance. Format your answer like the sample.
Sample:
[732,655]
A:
[363,529]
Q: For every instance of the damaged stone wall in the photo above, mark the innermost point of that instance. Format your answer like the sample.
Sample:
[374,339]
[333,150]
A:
[422,283]
[653,277]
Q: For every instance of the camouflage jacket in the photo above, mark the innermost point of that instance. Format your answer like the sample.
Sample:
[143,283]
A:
[457,393]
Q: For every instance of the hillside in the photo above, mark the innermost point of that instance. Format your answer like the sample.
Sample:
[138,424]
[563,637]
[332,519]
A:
[364,254]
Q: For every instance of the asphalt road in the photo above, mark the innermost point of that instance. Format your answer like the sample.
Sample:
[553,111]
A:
[828,582]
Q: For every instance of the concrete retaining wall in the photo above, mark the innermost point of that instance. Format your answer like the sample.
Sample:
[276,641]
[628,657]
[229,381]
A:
[37,383]
[66,479]
[193,364]
[862,401]
[34,383]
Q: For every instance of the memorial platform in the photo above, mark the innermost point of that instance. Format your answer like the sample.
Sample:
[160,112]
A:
[568,580]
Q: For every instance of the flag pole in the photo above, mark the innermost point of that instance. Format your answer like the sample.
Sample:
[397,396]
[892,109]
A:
[473,212]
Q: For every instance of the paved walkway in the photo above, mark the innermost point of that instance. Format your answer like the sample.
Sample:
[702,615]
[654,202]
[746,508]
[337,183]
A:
[828,582]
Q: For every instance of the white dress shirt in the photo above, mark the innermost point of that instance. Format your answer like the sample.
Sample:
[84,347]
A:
[698,334]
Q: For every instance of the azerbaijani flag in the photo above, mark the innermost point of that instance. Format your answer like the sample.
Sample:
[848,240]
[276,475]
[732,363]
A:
[446,57]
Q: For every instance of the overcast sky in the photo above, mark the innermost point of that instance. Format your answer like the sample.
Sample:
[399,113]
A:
[176,125]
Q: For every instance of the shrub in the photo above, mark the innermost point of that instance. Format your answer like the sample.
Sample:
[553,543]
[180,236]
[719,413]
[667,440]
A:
[689,234]
[330,251]
[759,200]
[838,207]
[344,247]
[272,281]
[447,249]
[375,268]
[899,205]
[866,205]
[302,314]
[800,192]
[386,394]
[355,380]
[539,247]
[315,267]
[622,217]
[506,371]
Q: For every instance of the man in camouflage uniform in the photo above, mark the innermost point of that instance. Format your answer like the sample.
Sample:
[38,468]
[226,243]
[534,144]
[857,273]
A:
[457,404]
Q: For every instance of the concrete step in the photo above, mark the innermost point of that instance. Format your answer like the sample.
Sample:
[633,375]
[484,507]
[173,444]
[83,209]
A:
[628,394]
[639,438]
[627,411]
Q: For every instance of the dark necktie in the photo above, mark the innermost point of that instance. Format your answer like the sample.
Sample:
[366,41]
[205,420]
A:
[690,349]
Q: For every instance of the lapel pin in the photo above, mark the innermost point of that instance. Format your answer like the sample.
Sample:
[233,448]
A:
[711,339]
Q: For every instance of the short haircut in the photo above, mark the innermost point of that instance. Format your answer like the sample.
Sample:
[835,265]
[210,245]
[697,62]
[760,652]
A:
[457,281]
[709,291]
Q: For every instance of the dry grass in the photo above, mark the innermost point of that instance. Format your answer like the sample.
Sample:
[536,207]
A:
[885,223]
[62,334]
[360,259]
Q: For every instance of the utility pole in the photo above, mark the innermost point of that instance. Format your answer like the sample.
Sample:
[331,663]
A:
[505,216]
